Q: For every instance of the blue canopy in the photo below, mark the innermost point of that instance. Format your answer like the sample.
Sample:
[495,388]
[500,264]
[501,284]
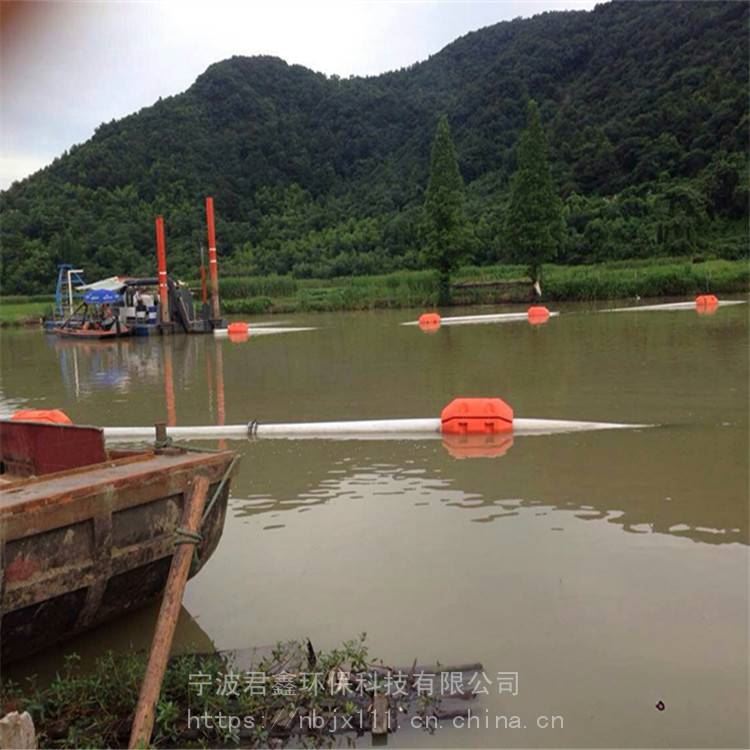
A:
[101,297]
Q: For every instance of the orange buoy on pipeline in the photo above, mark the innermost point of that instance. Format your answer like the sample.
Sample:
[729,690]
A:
[537,314]
[706,300]
[429,321]
[50,416]
[238,332]
[476,416]
[463,416]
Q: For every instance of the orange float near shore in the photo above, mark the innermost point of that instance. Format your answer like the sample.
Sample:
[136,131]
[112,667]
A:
[429,322]
[537,314]
[706,300]
[706,304]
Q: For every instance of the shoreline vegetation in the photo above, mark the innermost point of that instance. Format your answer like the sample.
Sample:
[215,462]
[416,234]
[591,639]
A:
[472,285]
[267,697]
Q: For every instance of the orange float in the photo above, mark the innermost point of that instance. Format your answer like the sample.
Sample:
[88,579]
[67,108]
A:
[706,304]
[51,416]
[238,332]
[537,314]
[706,301]
[476,416]
[429,322]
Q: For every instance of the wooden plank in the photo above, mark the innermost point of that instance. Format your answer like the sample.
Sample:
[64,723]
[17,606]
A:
[71,486]
[143,723]
[380,714]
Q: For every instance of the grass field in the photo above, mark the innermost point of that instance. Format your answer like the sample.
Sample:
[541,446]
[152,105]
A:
[23,312]
[486,285]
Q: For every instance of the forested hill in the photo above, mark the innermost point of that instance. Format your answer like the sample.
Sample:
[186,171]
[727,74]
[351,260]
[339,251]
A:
[645,106]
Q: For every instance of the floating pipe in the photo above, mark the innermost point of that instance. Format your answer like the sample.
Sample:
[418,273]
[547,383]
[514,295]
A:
[375,429]
[467,319]
[487,417]
[213,270]
[256,331]
[161,262]
[674,306]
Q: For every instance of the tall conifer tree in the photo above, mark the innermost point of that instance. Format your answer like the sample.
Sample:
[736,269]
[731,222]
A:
[533,226]
[444,219]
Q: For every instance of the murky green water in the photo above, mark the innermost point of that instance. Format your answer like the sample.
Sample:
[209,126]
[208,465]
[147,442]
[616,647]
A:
[609,569]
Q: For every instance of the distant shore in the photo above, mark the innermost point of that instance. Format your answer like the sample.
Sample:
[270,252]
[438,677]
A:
[24,311]
[474,285]
[485,285]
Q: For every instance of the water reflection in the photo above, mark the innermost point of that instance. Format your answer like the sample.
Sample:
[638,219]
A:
[125,365]
[575,475]
[131,633]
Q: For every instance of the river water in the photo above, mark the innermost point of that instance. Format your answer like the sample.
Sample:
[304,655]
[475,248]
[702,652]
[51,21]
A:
[609,570]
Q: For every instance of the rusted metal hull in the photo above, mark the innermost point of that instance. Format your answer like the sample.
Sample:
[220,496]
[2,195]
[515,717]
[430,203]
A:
[83,546]
[93,334]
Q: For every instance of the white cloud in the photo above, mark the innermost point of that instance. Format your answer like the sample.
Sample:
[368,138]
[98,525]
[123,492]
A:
[16,167]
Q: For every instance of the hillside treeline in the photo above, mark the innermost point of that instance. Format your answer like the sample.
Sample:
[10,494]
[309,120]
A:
[644,106]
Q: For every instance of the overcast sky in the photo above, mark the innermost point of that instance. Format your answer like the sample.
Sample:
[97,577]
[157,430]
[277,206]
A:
[65,67]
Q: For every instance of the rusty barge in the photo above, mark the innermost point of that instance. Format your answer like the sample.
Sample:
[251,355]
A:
[87,534]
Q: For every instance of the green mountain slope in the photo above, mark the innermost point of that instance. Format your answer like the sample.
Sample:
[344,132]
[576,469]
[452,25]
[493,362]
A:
[645,107]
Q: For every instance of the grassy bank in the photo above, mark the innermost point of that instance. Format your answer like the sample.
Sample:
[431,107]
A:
[472,285]
[486,285]
[18,311]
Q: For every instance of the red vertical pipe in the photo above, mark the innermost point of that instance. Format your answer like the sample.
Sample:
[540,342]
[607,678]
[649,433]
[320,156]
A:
[213,270]
[161,261]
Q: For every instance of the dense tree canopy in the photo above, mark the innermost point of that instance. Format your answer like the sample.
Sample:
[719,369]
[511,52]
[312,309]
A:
[644,106]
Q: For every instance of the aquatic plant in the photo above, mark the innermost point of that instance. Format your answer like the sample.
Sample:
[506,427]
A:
[206,700]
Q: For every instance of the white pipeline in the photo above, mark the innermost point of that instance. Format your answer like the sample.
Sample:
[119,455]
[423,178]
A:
[492,318]
[356,429]
[261,331]
[674,306]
